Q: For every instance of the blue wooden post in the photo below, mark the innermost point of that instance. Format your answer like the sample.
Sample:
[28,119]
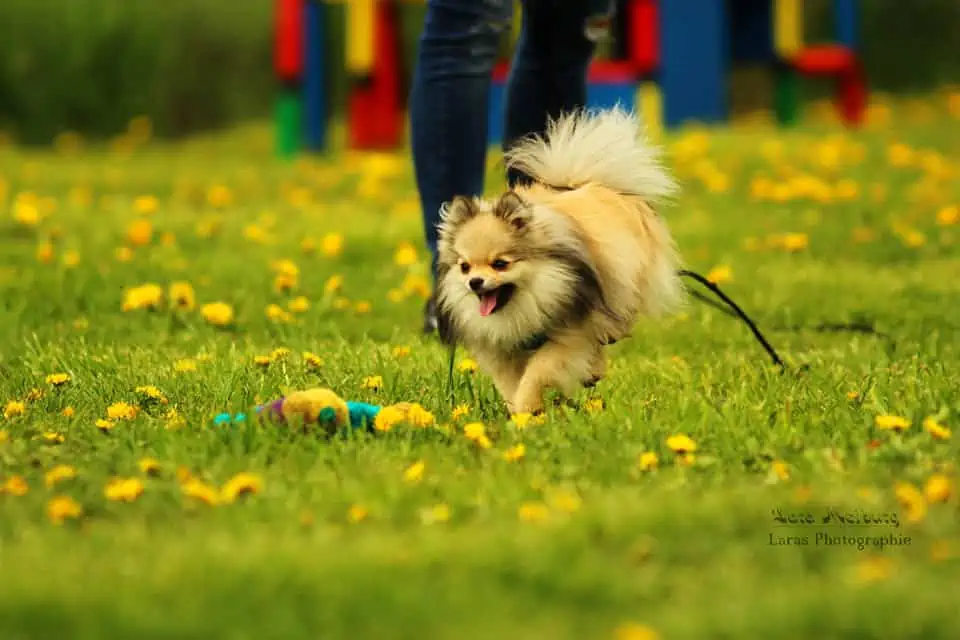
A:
[694,61]
[314,77]
[845,18]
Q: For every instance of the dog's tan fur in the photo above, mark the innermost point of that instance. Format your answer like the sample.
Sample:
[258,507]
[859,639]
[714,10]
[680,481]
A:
[581,247]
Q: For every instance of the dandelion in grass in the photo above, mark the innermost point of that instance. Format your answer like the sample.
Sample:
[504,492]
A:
[140,232]
[219,196]
[388,417]
[312,360]
[340,303]
[635,631]
[196,489]
[262,361]
[58,379]
[400,352]
[363,307]
[373,383]
[52,438]
[936,430]
[63,508]
[476,432]
[146,205]
[395,296]
[418,416]
[58,474]
[123,489]
[105,425]
[219,314]
[948,216]
[186,365]
[13,409]
[149,466]
[300,304]
[173,420]
[276,313]
[405,255]
[414,473]
[938,488]
[467,365]
[594,405]
[34,394]
[150,393]
[533,512]
[44,252]
[122,411]
[357,513]
[897,424]
[647,461]
[285,283]
[331,245]
[779,470]
[564,500]
[182,296]
[240,485]
[912,501]
[147,296]
[333,284]
[681,444]
[15,486]
[515,453]
[720,274]
[460,411]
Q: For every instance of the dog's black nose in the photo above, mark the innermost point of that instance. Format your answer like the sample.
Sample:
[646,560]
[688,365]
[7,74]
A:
[476,284]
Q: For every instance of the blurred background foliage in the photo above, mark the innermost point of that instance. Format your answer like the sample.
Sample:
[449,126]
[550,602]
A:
[192,65]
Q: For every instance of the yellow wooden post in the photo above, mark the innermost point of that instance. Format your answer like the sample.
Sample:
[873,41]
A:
[359,36]
[650,104]
[787,27]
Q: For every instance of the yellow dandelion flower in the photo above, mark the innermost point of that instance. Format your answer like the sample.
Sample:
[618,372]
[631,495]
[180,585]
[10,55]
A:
[150,392]
[852,395]
[219,314]
[26,213]
[720,274]
[140,232]
[388,417]
[34,394]
[45,252]
[935,429]
[182,296]
[59,473]
[62,508]
[219,196]
[357,513]
[460,411]
[146,205]
[948,216]
[681,444]
[262,361]
[405,255]
[185,365]
[533,512]
[51,437]
[149,466]
[467,366]
[686,459]
[897,424]
[414,473]
[780,470]
[122,411]
[13,409]
[420,417]
[648,461]
[938,488]
[276,313]
[374,383]
[331,245]
[416,284]
[400,352]
[872,569]
[795,241]
[594,405]
[285,283]
[912,501]
[15,486]
[104,425]
[123,489]
[363,307]
[436,513]
[515,453]
[254,233]
[312,359]
[195,489]
[58,379]
[900,155]
[474,430]
[300,304]
[635,631]
[147,296]
[279,353]
[241,484]
[173,419]
[333,283]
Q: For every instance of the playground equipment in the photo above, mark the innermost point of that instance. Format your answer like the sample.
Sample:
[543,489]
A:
[673,67]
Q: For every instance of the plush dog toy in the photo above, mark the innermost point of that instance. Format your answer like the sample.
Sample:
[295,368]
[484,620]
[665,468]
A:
[324,408]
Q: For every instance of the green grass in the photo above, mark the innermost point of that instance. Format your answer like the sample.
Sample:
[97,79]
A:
[683,548]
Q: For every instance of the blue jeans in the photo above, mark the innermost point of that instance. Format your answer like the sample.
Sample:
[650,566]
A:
[449,98]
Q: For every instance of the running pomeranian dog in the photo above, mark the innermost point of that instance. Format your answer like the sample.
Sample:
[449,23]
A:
[538,281]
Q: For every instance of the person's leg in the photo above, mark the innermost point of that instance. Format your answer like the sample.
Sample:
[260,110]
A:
[449,103]
[548,75]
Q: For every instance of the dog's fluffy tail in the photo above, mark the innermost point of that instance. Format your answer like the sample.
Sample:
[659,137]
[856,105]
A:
[602,147]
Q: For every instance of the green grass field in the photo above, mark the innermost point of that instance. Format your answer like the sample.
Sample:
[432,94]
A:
[125,512]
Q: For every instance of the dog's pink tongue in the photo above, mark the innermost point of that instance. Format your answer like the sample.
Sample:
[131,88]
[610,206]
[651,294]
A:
[488,302]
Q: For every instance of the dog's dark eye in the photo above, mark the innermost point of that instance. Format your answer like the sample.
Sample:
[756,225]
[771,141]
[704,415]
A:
[464,267]
[499,265]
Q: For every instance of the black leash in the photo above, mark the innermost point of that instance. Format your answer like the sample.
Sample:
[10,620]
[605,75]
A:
[736,310]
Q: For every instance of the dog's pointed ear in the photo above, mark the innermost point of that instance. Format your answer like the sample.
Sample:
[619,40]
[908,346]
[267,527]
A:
[512,208]
[456,212]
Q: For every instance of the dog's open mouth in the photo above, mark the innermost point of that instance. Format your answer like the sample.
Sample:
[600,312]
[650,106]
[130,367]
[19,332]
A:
[495,299]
